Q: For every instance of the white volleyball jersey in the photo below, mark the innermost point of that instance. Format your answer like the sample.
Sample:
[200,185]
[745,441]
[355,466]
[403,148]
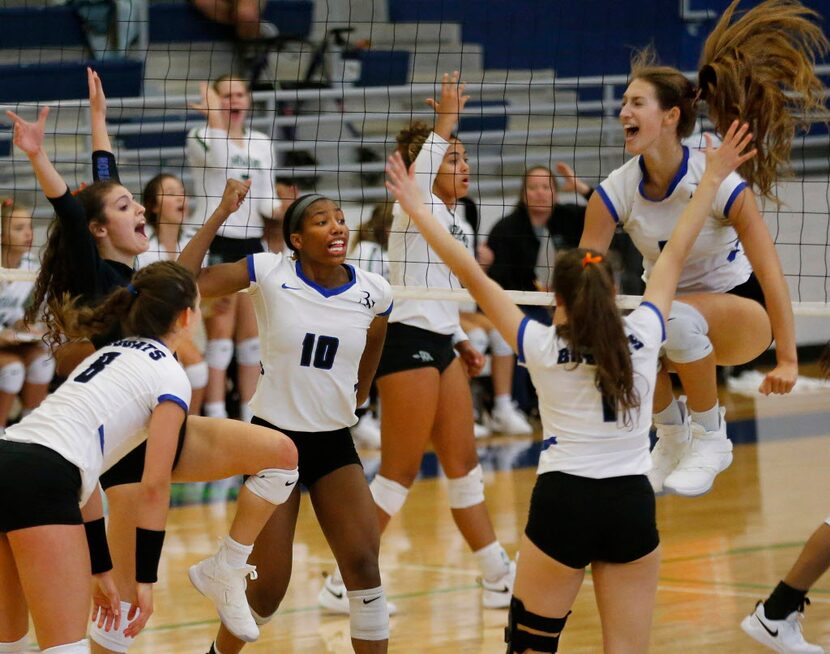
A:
[100,413]
[214,158]
[14,295]
[371,257]
[717,262]
[412,262]
[312,340]
[582,434]
[154,252]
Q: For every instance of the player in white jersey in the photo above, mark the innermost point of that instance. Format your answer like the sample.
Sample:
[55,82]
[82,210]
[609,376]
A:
[26,366]
[165,208]
[595,373]
[130,396]
[226,148]
[424,389]
[726,314]
[322,324]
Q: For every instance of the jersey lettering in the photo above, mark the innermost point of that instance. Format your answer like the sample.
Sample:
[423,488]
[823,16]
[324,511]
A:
[323,349]
[97,366]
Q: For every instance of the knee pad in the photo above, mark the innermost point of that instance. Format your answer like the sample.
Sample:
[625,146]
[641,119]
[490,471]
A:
[41,369]
[369,615]
[687,332]
[468,490]
[478,339]
[113,640]
[12,376]
[81,647]
[388,495]
[273,485]
[248,352]
[218,353]
[519,641]
[17,647]
[261,620]
[498,346]
[197,374]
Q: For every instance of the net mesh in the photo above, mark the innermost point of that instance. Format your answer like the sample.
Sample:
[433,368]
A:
[334,82]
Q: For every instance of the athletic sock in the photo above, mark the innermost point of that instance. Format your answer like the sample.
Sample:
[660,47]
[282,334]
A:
[503,402]
[671,415]
[709,420]
[782,601]
[236,554]
[493,561]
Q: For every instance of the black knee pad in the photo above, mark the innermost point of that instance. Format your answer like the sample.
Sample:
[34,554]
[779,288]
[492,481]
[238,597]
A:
[519,641]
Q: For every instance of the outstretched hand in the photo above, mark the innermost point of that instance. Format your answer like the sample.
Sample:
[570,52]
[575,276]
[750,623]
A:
[234,195]
[106,603]
[720,162]
[140,611]
[29,136]
[97,99]
[400,182]
[451,104]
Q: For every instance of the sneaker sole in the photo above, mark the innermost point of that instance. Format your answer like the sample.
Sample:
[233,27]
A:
[195,578]
[759,635]
[697,492]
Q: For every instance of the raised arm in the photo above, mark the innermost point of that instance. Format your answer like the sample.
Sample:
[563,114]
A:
[225,278]
[103,159]
[662,282]
[29,138]
[493,300]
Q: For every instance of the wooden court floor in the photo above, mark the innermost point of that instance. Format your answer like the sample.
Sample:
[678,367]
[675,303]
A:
[721,553]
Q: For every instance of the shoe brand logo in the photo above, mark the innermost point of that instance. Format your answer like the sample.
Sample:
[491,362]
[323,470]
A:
[290,483]
[337,595]
[369,601]
[290,288]
[772,633]
[501,590]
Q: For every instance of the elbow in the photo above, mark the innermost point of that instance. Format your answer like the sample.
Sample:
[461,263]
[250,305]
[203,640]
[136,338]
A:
[155,493]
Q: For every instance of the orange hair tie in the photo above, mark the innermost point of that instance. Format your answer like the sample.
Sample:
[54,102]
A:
[590,258]
[79,189]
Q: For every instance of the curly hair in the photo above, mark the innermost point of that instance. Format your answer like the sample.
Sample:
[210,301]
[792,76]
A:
[411,139]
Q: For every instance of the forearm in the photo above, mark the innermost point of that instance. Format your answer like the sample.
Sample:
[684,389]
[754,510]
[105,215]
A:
[779,309]
[50,180]
[100,136]
[428,161]
[195,251]
[153,503]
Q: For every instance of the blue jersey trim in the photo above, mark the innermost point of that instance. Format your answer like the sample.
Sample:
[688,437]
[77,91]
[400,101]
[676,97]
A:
[681,173]
[520,338]
[328,292]
[732,197]
[610,205]
[388,311]
[251,269]
[101,437]
[167,397]
[659,316]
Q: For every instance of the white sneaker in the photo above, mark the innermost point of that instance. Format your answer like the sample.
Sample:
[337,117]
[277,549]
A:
[225,587]
[709,453]
[481,430]
[779,635]
[509,420]
[496,594]
[366,433]
[672,443]
[333,598]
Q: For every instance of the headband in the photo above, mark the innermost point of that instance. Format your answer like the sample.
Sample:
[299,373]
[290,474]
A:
[299,208]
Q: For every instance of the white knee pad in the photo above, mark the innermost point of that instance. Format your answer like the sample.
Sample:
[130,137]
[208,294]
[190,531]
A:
[498,346]
[197,374]
[218,353]
[687,337]
[12,376]
[369,614]
[468,490]
[273,485]
[81,647]
[388,495]
[113,640]
[478,339]
[247,352]
[17,647]
[261,620]
[41,369]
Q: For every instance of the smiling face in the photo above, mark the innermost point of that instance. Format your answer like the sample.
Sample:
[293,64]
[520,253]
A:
[235,100]
[124,223]
[644,121]
[453,178]
[323,237]
[171,202]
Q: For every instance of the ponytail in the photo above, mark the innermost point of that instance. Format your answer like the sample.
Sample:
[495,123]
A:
[585,282]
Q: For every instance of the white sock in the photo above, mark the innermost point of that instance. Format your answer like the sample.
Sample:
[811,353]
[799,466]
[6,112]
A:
[236,554]
[503,402]
[336,577]
[671,415]
[215,410]
[17,647]
[245,412]
[493,561]
[709,420]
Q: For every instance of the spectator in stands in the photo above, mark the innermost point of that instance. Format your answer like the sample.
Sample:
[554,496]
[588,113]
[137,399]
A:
[226,148]
[245,16]
[165,208]
[26,366]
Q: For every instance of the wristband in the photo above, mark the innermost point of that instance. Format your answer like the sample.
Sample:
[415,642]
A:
[99,551]
[148,545]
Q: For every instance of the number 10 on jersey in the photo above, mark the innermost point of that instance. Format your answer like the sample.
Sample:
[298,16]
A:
[319,351]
